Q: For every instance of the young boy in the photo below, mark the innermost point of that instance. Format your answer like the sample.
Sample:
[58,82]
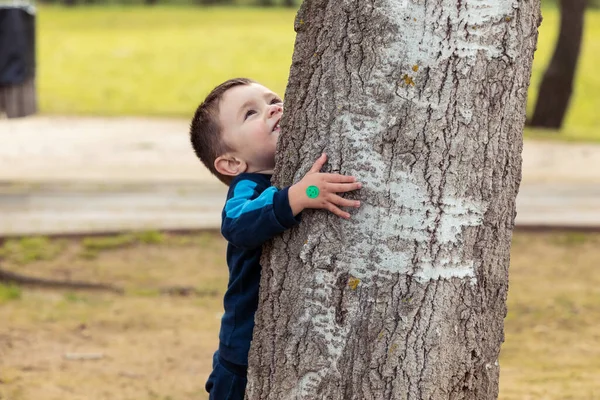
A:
[234,132]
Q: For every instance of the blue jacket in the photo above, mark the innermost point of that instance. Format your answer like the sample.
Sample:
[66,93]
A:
[254,212]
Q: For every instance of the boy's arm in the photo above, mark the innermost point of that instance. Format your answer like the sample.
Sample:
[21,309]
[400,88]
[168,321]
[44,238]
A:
[328,186]
[251,218]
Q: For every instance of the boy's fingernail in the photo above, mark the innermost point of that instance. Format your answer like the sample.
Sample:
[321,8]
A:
[358,204]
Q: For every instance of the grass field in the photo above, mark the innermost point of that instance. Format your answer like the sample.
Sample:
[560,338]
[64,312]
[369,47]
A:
[162,61]
[156,61]
[145,345]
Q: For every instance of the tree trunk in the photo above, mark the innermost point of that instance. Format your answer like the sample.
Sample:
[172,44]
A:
[557,85]
[424,102]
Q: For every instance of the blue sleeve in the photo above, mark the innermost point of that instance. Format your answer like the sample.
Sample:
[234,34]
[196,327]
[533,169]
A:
[250,217]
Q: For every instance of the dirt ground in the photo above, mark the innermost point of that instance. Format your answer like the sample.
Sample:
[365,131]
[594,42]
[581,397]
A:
[73,345]
[142,345]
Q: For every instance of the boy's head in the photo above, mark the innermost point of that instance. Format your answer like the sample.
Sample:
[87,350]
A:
[236,128]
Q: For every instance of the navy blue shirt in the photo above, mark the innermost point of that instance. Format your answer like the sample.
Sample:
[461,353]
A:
[254,212]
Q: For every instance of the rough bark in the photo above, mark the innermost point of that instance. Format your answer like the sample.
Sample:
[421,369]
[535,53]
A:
[557,86]
[425,103]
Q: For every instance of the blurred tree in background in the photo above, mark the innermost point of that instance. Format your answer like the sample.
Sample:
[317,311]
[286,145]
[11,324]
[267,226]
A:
[557,86]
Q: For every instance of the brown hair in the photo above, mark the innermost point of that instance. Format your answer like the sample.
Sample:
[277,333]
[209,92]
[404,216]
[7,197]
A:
[205,130]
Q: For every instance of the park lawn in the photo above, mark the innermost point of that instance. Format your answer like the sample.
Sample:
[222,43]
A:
[155,61]
[153,346]
[162,61]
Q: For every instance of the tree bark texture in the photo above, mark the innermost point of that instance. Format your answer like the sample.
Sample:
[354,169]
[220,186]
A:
[557,86]
[424,102]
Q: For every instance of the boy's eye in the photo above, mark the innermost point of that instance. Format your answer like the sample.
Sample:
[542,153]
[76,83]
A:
[276,100]
[248,114]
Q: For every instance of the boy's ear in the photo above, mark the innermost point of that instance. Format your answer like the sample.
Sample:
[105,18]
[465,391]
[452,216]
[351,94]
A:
[229,165]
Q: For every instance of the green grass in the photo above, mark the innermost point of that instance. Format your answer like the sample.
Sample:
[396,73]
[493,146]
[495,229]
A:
[155,61]
[9,293]
[29,249]
[162,61]
[93,245]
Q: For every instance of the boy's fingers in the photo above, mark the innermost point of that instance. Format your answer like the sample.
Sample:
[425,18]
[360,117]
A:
[337,178]
[340,201]
[343,187]
[337,211]
[319,163]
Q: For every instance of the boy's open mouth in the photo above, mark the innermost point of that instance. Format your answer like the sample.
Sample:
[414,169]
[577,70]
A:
[276,127]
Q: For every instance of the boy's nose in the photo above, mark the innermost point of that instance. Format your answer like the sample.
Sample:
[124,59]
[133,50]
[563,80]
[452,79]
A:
[274,109]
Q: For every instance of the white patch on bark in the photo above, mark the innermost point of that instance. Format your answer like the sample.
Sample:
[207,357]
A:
[471,25]
[306,385]
[412,217]
[321,317]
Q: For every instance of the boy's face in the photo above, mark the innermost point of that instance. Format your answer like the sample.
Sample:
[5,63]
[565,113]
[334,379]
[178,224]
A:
[249,116]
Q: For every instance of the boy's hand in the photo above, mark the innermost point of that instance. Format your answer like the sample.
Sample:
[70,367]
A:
[328,185]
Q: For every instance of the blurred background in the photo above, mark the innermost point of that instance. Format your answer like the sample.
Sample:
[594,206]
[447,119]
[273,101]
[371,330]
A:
[111,266]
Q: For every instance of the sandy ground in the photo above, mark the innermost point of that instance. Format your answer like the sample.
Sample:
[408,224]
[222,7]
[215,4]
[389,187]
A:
[86,174]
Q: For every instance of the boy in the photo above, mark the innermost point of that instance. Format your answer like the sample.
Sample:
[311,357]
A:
[234,133]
